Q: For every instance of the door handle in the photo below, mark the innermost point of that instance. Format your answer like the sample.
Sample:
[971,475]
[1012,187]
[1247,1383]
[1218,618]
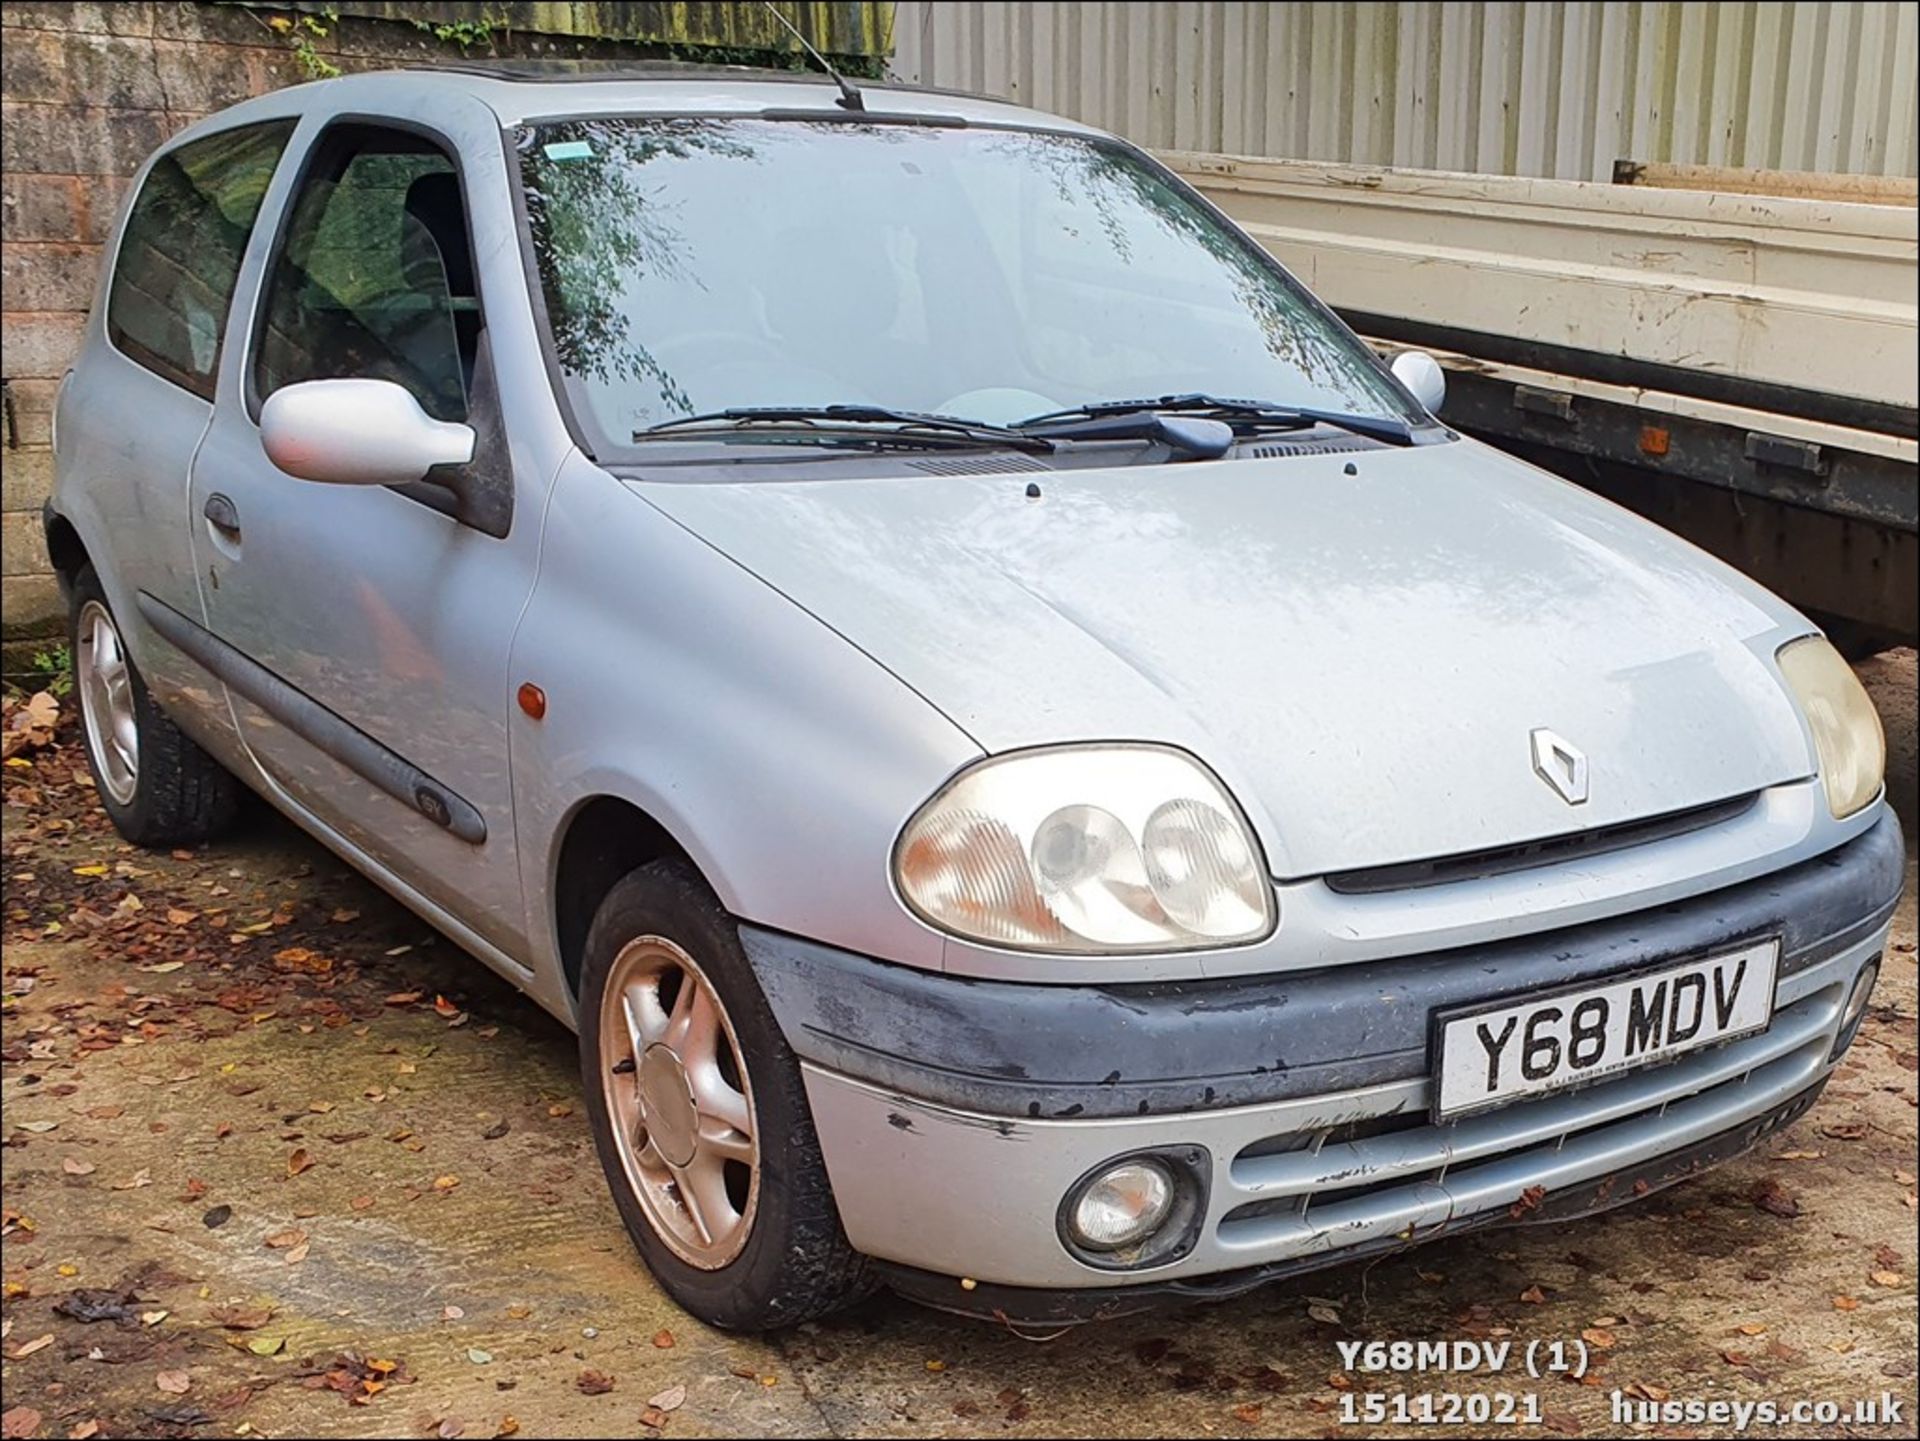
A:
[222,515]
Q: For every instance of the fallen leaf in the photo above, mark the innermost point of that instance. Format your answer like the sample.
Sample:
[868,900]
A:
[450,1428]
[1885,1278]
[1845,1303]
[445,1183]
[19,1421]
[663,1340]
[1326,1315]
[1598,1337]
[75,1167]
[267,1345]
[1533,1296]
[174,1383]
[298,1162]
[479,1357]
[153,1318]
[1753,1328]
[27,1348]
[39,1128]
[281,1240]
[595,1383]
[671,1399]
[1249,1412]
[242,1318]
[298,1254]
[1775,1199]
[403,998]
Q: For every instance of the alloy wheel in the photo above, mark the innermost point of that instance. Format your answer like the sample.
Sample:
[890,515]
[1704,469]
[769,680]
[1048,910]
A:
[106,701]
[679,1101]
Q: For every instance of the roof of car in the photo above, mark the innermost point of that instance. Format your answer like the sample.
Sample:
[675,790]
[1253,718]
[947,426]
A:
[527,90]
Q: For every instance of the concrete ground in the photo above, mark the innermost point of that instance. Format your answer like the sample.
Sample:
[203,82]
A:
[279,1162]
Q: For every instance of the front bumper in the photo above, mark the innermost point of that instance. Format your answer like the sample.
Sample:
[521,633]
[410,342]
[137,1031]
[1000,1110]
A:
[955,1115]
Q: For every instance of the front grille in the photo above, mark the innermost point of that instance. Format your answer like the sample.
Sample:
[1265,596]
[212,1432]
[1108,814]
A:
[1418,1174]
[1478,865]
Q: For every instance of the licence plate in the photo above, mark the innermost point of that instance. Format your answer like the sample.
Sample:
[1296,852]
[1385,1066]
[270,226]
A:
[1491,1055]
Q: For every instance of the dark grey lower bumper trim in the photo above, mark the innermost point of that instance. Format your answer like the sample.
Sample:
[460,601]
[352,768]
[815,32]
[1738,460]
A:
[1008,1049]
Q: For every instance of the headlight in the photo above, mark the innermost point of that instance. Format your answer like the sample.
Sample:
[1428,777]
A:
[1087,849]
[1846,728]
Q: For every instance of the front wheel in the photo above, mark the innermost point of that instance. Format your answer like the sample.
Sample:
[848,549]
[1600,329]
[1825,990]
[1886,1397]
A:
[700,1116]
[158,787]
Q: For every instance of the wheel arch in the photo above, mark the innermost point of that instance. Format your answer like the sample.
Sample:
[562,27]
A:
[603,838]
[65,548]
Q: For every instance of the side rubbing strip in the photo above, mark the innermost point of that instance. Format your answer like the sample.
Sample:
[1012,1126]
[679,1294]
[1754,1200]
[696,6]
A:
[313,722]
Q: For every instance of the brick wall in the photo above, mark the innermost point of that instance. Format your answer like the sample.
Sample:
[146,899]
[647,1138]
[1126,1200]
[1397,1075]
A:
[87,91]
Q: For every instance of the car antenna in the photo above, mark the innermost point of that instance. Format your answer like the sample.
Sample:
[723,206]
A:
[850,98]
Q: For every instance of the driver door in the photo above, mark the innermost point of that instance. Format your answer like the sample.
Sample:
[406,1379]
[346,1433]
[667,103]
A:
[372,623]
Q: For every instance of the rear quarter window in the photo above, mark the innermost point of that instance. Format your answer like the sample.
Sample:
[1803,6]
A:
[180,254]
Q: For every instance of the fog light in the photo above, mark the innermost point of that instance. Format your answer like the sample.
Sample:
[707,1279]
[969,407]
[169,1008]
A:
[1122,1206]
[1856,1009]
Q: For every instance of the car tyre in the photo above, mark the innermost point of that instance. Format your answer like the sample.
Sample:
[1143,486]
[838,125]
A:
[158,787]
[746,1245]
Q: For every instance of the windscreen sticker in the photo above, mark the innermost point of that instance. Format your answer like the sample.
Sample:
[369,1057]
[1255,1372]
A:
[570,150]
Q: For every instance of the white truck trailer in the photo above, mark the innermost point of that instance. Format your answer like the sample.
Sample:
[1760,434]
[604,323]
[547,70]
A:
[1736,360]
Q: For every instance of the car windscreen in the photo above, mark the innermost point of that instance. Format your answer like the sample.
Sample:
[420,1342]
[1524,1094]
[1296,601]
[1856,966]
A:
[694,265]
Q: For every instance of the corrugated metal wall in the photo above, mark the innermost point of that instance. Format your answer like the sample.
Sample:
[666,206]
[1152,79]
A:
[1525,89]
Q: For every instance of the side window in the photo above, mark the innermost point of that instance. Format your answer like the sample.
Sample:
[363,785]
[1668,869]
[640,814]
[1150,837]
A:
[375,274]
[180,257]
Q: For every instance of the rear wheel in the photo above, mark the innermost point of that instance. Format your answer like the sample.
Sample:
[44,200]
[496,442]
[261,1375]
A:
[700,1115]
[158,787]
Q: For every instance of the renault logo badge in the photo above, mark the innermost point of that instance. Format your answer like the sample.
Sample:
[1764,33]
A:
[1561,766]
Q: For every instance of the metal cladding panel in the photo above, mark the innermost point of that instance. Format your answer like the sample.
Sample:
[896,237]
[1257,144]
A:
[1557,90]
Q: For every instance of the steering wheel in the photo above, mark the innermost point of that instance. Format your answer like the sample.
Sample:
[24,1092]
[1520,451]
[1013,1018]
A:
[999,404]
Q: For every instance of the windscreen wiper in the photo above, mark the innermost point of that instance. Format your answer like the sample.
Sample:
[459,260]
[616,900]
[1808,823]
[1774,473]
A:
[839,424]
[1245,416]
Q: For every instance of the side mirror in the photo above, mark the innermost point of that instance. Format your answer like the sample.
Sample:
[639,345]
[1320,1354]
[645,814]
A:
[1422,375]
[358,432]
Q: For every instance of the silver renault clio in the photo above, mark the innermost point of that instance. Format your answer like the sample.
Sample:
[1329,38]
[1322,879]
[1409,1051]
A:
[1041,773]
